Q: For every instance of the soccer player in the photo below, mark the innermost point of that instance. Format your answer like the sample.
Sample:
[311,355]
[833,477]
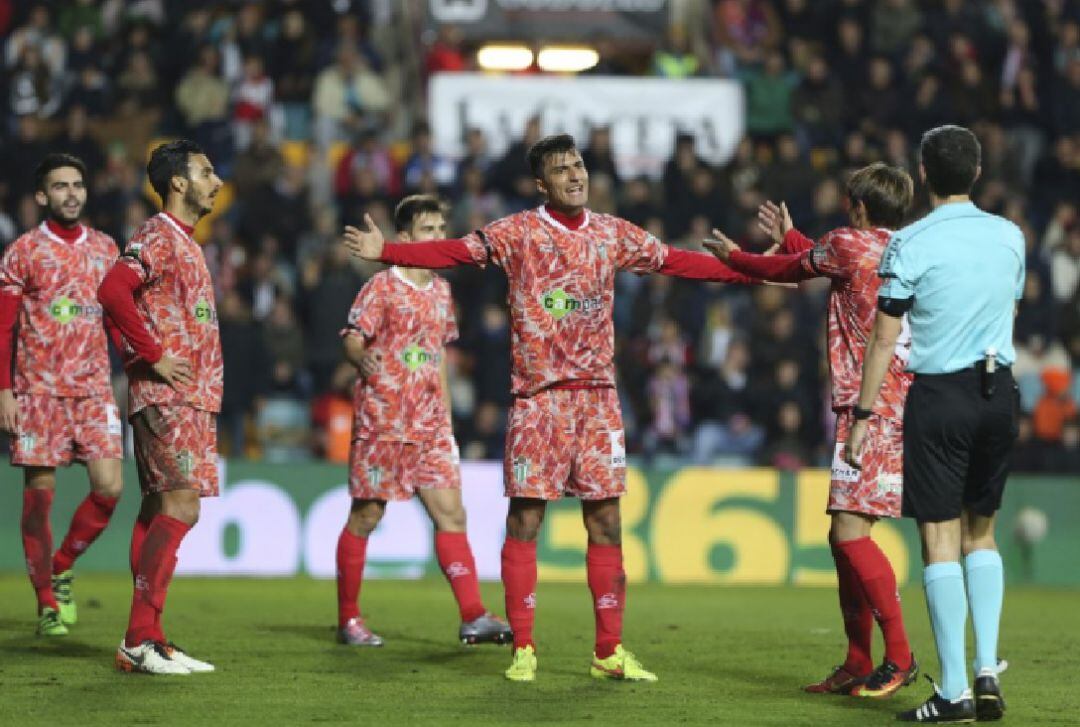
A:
[878,198]
[60,408]
[403,442]
[160,295]
[565,434]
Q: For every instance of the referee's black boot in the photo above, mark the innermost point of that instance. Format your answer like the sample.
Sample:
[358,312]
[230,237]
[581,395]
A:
[989,704]
[938,710]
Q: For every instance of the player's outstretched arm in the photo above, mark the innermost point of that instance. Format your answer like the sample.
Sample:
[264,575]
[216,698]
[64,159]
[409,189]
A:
[699,266]
[430,254]
[774,268]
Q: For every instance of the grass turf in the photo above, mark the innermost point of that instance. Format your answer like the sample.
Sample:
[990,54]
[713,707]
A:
[733,656]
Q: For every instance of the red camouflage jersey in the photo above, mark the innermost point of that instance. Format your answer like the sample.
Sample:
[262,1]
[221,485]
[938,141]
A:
[177,302]
[850,258]
[62,349]
[409,326]
[561,290]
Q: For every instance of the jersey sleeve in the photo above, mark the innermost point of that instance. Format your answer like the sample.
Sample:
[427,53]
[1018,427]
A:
[450,331]
[638,251]
[831,256]
[897,271]
[148,255]
[494,243]
[366,313]
[15,271]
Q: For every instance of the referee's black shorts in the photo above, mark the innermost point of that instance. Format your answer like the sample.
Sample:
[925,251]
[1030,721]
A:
[957,444]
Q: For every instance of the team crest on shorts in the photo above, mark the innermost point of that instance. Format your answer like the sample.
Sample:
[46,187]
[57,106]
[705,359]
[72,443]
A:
[185,462]
[521,469]
[27,442]
[374,475]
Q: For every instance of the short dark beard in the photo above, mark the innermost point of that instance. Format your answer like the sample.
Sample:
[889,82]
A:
[193,204]
[57,216]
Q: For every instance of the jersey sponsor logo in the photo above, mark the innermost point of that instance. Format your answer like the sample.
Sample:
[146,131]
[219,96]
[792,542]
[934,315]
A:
[205,313]
[134,250]
[414,357]
[559,303]
[64,310]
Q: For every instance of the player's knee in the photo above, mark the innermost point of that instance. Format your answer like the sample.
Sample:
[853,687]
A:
[604,527]
[108,486]
[524,526]
[969,544]
[452,521]
[364,518]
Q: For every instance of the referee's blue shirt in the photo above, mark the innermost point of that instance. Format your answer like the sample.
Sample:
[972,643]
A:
[965,270]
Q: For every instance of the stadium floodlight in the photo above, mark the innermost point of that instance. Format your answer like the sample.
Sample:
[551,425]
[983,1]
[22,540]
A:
[504,57]
[565,59]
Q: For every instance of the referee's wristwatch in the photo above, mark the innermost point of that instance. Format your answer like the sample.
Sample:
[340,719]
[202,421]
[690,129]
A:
[861,414]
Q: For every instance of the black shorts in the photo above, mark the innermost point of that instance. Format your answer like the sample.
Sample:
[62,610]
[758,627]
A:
[957,444]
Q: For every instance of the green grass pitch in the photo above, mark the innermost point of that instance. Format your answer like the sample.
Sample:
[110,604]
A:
[728,656]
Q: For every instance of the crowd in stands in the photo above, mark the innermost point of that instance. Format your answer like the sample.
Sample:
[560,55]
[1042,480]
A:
[313,111]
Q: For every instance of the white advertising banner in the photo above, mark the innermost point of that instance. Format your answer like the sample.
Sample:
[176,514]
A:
[644,113]
[275,538]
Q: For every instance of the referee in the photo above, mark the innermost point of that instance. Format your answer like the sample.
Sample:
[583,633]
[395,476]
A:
[957,274]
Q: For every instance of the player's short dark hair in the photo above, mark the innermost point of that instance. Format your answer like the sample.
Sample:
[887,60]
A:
[554,144]
[950,155]
[885,191]
[170,160]
[413,206]
[55,161]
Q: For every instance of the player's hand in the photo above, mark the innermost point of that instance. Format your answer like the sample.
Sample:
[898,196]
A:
[720,246]
[9,412]
[853,446]
[370,363]
[774,221]
[367,244]
[175,372]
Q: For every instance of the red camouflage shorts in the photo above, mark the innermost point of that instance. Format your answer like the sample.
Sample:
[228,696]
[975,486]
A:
[566,442]
[395,470]
[176,449]
[55,431]
[876,488]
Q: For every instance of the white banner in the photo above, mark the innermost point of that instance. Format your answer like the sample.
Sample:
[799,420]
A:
[277,539]
[644,113]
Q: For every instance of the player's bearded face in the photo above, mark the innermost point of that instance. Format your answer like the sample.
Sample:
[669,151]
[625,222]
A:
[426,226]
[64,195]
[203,185]
[565,181]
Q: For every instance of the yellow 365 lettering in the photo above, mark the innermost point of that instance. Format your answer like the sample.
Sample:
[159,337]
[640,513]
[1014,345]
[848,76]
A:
[691,521]
[563,529]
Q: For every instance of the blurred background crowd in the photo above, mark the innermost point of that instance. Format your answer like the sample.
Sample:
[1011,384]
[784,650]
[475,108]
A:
[315,112]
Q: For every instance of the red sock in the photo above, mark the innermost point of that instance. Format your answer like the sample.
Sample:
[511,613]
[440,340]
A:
[607,581]
[89,520]
[138,535]
[457,563]
[351,552]
[858,621]
[157,561]
[519,583]
[37,543]
[878,581]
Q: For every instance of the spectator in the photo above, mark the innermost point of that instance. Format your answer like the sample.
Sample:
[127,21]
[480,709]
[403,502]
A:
[347,95]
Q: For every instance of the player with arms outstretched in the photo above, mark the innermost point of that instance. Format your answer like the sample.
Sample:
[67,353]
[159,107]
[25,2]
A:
[60,407]
[565,434]
[879,197]
[403,441]
[162,299]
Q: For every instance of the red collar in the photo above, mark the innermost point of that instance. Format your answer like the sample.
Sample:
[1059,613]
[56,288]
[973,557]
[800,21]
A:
[67,234]
[572,223]
[186,228]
